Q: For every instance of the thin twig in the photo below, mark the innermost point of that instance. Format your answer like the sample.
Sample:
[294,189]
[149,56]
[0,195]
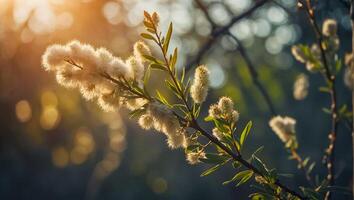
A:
[221,31]
[352,67]
[254,74]
[301,165]
[251,68]
[330,158]
[239,158]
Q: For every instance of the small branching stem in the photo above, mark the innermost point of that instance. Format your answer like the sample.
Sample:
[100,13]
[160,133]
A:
[301,165]
[352,67]
[330,78]
[238,157]
[194,124]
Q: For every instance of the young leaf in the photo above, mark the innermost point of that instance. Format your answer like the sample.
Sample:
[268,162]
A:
[245,132]
[147,36]
[213,169]
[157,66]
[214,158]
[243,176]
[174,60]
[166,42]
[209,118]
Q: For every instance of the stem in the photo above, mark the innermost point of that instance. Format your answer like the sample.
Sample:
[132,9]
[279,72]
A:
[330,159]
[194,124]
[298,158]
[352,67]
[238,158]
[221,31]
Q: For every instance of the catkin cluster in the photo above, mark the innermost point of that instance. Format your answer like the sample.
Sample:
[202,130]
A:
[349,71]
[312,56]
[79,65]
[224,109]
[301,86]
[199,88]
[284,128]
[161,118]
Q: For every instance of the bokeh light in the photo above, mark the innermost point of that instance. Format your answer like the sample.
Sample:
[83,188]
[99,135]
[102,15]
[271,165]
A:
[23,111]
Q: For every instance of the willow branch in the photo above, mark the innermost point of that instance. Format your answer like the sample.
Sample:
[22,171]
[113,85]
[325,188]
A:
[330,158]
[301,165]
[239,158]
[352,66]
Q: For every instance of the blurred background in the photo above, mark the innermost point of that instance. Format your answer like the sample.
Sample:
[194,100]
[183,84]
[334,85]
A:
[55,145]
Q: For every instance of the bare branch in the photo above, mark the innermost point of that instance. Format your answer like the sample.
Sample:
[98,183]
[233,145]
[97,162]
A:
[221,31]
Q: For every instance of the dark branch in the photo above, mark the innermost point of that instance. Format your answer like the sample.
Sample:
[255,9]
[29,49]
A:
[217,32]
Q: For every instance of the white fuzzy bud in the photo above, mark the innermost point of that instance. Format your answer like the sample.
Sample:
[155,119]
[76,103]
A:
[215,111]
[283,127]
[218,134]
[146,122]
[194,157]
[301,86]
[226,105]
[199,88]
[298,54]
[329,27]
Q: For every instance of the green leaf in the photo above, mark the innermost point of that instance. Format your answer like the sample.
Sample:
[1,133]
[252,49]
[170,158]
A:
[136,113]
[324,89]
[162,98]
[214,158]
[338,65]
[174,60]
[260,165]
[168,38]
[157,66]
[209,118]
[242,176]
[213,169]
[183,74]
[147,36]
[258,150]
[257,196]
[245,132]
[326,110]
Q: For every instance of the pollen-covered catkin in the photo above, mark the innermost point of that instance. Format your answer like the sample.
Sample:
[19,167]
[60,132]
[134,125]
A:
[141,49]
[81,66]
[301,86]
[226,104]
[215,111]
[194,157]
[199,88]
[329,27]
[167,123]
[283,127]
[146,122]
[298,54]
[217,133]
[349,72]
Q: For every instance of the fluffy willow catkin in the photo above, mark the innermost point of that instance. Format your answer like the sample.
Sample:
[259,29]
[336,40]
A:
[283,127]
[81,66]
[161,118]
[301,86]
[329,28]
[224,109]
[199,88]
[194,157]
[349,72]
[298,54]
